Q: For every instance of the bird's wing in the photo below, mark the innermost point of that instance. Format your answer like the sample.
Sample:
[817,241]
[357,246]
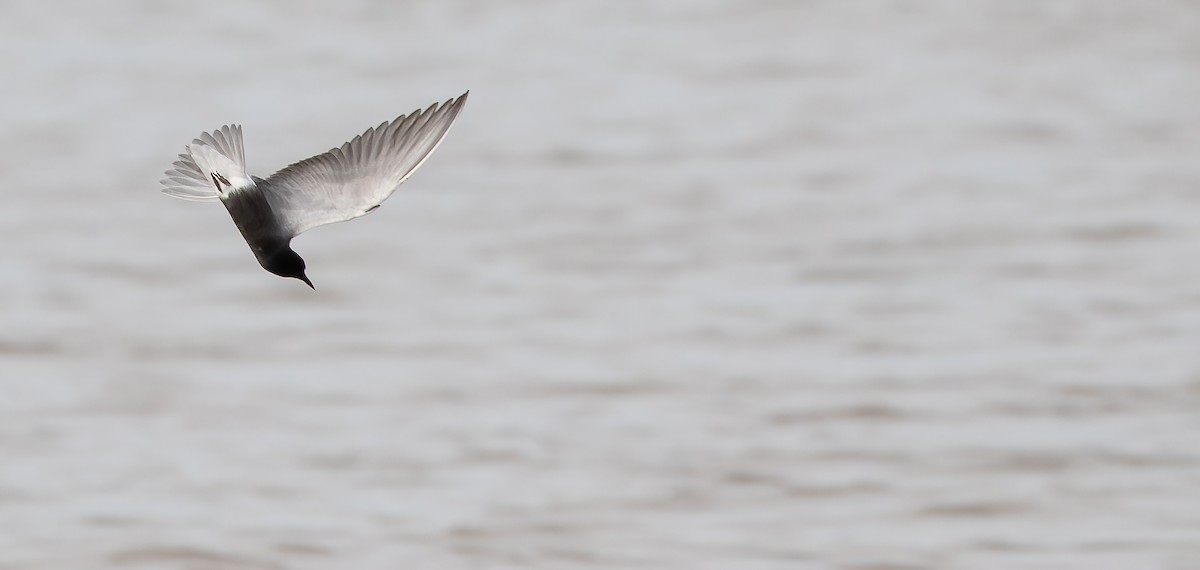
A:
[191,181]
[354,179]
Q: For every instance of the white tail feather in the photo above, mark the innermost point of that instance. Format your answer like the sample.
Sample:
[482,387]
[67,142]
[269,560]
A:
[220,152]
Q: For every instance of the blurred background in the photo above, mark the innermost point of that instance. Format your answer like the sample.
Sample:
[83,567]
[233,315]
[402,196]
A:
[691,284]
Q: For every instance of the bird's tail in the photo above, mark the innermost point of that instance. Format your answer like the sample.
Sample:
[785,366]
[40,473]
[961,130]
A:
[213,165]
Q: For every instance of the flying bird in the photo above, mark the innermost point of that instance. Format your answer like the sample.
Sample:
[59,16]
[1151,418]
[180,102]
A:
[342,184]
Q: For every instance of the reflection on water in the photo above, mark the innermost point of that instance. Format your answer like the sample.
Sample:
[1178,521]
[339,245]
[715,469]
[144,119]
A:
[752,285]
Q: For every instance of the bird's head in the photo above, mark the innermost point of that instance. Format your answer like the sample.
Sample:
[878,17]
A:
[287,263]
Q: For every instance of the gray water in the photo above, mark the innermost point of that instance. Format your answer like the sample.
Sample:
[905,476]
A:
[729,285]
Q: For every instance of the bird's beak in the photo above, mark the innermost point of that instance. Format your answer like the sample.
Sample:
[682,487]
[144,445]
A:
[304,278]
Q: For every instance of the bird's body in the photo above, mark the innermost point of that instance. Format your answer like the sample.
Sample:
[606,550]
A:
[253,216]
[341,184]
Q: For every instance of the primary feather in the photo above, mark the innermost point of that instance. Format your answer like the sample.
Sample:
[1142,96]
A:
[349,181]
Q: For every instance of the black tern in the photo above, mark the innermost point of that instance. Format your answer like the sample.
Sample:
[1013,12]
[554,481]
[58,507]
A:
[342,184]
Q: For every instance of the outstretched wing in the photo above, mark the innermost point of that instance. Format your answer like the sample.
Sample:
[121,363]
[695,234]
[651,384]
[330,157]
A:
[354,179]
[190,181]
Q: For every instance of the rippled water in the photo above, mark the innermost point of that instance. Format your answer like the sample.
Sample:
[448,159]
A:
[859,285]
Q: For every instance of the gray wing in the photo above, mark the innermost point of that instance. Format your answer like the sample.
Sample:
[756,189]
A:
[354,179]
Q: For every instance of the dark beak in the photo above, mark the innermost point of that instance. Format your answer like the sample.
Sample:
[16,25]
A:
[304,278]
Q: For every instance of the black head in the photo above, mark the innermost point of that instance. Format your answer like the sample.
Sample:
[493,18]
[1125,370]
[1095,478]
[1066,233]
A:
[286,263]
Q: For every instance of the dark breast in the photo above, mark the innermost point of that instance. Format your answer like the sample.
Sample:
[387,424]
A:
[255,219]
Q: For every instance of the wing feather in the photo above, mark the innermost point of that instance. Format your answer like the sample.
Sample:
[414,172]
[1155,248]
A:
[353,179]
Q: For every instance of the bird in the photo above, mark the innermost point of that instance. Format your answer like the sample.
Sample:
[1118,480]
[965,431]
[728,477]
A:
[341,184]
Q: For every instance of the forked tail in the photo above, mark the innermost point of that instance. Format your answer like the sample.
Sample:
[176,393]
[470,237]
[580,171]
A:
[213,165]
